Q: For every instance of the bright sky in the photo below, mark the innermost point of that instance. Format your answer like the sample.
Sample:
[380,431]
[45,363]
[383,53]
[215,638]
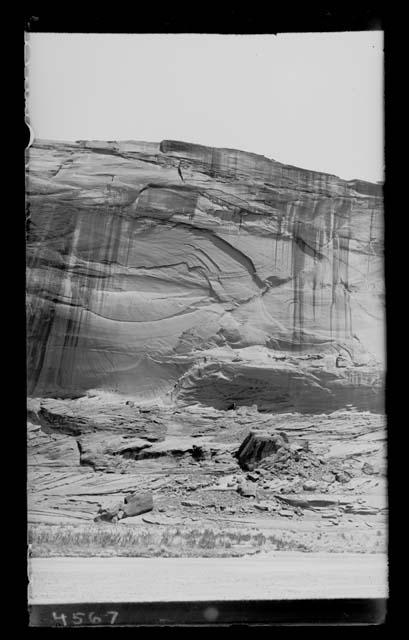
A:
[311,100]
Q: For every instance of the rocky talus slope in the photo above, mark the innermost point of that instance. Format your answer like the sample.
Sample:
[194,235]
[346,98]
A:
[180,298]
[325,488]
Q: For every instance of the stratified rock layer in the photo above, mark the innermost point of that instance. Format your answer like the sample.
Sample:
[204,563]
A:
[174,272]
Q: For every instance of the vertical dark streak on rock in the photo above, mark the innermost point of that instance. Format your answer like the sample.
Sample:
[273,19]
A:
[297,267]
[276,238]
[67,355]
[370,242]
[213,164]
[28,220]
[314,288]
[42,319]
[348,315]
[37,346]
[334,274]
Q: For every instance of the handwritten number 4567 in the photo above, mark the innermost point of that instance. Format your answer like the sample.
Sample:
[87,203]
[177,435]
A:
[79,618]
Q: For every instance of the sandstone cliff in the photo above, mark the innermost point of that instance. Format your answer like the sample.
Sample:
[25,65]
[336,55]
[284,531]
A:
[177,273]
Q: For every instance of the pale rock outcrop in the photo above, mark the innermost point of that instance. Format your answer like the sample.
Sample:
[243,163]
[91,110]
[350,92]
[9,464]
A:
[243,280]
[50,449]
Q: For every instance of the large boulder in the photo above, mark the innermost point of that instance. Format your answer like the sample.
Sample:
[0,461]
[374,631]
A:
[245,490]
[108,514]
[137,503]
[259,445]
[133,505]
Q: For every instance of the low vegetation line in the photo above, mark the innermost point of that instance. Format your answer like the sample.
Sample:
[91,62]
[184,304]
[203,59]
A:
[93,540]
[189,541]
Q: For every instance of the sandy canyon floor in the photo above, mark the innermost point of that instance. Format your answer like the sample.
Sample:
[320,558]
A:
[91,452]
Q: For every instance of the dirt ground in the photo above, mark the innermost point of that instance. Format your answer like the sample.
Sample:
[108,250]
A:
[280,575]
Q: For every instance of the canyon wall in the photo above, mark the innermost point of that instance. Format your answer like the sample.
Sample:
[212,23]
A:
[178,273]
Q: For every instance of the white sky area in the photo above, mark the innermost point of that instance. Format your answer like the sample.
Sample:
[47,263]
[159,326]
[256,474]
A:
[311,100]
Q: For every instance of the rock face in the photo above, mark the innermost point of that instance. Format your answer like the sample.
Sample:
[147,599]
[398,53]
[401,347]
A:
[174,272]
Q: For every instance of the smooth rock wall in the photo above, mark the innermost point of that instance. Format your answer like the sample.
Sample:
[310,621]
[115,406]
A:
[174,272]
